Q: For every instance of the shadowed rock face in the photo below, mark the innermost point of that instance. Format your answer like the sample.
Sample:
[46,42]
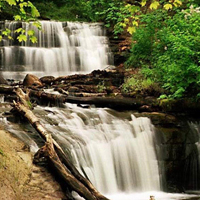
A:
[176,141]
[179,157]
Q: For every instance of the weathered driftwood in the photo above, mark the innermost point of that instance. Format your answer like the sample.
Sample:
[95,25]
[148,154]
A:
[24,97]
[56,157]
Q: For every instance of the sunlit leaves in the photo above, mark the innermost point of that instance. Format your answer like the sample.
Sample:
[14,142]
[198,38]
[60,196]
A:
[6,32]
[20,30]
[37,24]
[143,3]
[17,18]
[34,11]
[131,30]
[22,38]
[26,12]
[154,5]
[122,24]
[33,39]
[31,32]
[11,2]
[24,35]
[168,6]
[135,23]
[177,3]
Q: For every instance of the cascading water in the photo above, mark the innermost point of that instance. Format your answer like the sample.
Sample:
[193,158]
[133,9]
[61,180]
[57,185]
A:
[194,175]
[115,154]
[62,48]
[115,150]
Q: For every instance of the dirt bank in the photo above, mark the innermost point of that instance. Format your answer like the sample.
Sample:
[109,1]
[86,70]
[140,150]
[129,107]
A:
[19,178]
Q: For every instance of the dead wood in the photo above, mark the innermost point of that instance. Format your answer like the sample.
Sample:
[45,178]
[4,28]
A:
[110,102]
[57,158]
[5,89]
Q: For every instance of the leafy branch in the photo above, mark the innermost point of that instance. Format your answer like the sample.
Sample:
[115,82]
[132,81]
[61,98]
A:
[27,12]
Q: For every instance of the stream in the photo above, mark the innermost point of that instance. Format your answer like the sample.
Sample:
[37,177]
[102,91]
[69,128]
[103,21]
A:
[117,151]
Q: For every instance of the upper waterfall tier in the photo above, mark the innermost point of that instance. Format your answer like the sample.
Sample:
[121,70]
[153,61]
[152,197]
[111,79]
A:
[62,48]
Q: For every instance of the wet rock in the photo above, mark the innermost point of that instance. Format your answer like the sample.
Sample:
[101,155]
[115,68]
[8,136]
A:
[162,119]
[32,80]
[73,89]
[2,80]
[47,79]
[178,156]
[145,108]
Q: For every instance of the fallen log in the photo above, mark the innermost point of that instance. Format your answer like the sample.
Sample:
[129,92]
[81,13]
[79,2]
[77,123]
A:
[56,157]
[116,103]
[6,89]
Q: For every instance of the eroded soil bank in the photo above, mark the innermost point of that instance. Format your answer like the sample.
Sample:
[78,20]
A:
[20,179]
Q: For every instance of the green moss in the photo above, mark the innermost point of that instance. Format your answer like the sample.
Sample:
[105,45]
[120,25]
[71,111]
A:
[29,104]
[1,152]
[137,84]
[167,104]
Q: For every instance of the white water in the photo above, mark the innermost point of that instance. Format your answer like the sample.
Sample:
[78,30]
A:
[114,150]
[194,175]
[62,48]
[115,154]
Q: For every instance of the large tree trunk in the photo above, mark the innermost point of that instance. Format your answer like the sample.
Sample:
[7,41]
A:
[55,155]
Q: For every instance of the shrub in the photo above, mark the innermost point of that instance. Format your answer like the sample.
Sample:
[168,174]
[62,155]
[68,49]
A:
[137,85]
[171,53]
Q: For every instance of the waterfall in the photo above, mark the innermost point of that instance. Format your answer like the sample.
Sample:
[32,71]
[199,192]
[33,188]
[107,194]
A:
[115,150]
[194,165]
[62,48]
[117,154]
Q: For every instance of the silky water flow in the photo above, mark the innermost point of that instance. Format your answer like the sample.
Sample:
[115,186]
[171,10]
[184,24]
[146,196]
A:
[62,48]
[115,150]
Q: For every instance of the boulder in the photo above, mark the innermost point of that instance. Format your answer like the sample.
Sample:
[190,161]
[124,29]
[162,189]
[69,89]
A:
[73,89]
[32,81]
[47,79]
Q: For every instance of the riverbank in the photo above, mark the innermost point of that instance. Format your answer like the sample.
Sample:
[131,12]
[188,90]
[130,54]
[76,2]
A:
[20,179]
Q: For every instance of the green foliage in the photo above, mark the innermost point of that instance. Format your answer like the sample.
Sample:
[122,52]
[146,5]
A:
[115,15]
[137,85]
[22,38]
[169,46]
[101,87]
